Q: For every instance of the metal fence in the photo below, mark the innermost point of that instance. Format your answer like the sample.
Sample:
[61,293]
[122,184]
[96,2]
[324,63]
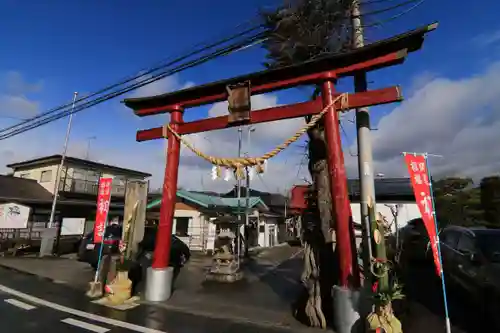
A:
[34,230]
[29,238]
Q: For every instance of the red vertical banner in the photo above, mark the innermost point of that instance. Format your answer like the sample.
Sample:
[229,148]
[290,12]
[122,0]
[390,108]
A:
[103,198]
[417,167]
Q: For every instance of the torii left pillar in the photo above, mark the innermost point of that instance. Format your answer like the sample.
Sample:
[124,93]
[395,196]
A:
[160,276]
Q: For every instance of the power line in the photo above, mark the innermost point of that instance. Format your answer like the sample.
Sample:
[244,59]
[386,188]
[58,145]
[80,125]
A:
[220,52]
[394,17]
[384,10]
[51,115]
[143,73]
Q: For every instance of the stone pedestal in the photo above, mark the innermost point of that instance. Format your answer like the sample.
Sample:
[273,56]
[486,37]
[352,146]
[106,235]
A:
[48,237]
[224,268]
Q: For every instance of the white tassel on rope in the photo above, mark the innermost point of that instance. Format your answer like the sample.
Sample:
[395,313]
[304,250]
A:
[227,174]
[214,173]
[251,173]
[265,166]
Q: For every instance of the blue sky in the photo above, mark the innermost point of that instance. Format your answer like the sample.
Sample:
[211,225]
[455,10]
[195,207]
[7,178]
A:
[58,47]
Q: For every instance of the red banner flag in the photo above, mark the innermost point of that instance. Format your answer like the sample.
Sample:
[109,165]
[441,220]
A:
[417,167]
[103,198]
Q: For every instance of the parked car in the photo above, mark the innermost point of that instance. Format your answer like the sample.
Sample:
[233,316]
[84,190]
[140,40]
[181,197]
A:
[179,251]
[89,252]
[415,241]
[471,261]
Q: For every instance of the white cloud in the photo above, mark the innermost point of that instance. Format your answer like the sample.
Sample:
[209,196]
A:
[18,107]
[194,173]
[488,38]
[282,171]
[459,119]
[13,100]
[15,84]
[167,84]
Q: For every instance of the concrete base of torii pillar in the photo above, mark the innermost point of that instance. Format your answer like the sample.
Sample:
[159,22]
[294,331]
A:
[159,283]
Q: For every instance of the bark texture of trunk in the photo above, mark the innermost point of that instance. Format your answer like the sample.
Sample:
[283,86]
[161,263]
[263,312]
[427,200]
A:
[314,306]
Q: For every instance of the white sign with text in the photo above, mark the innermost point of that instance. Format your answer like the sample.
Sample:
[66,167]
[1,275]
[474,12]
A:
[72,226]
[14,216]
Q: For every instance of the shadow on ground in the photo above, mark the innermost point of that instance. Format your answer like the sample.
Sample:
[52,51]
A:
[422,285]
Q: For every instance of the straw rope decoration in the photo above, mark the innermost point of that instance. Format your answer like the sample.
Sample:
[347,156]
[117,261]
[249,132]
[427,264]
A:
[240,163]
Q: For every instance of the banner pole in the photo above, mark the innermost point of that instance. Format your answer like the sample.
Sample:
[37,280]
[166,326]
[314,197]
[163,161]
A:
[99,259]
[443,284]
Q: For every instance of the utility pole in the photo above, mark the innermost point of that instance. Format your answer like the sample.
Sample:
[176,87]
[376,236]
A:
[247,204]
[63,157]
[47,242]
[365,163]
[238,195]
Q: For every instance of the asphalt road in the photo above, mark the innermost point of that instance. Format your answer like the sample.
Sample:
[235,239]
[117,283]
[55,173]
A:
[31,304]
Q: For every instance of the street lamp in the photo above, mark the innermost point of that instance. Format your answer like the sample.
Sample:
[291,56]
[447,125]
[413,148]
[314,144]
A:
[89,139]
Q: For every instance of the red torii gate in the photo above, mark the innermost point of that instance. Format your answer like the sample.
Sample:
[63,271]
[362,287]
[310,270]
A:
[324,72]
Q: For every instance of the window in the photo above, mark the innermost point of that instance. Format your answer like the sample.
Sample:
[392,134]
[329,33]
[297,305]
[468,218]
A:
[450,238]
[46,176]
[25,175]
[466,244]
[78,174]
[489,243]
[93,176]
[182,226]
[84,174]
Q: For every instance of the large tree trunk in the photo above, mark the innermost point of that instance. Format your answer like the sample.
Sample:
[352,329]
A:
[314,307]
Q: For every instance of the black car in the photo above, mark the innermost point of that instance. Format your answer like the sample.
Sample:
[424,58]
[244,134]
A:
[415,241]
[89,252]
[471,261]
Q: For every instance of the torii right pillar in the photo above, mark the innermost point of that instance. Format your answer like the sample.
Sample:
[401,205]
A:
[346,294]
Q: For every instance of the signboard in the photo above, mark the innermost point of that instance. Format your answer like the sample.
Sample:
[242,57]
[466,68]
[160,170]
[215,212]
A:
[103,199]
[417,167]
[72,226]
[14,216]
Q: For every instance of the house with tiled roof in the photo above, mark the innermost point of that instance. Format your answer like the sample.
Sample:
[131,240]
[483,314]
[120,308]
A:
[195,213]
[33,183]
[395,201]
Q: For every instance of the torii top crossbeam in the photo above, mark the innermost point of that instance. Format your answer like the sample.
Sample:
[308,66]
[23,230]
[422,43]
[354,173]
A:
[343,64]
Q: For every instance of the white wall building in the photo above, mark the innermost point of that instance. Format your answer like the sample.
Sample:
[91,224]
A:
[194,212]
[396,213]
[77,175]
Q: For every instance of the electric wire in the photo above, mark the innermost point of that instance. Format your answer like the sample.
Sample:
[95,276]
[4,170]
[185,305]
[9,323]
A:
[118,93]
[220,52]
[394,17]
[37,121]
[143,73]
[384,10]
